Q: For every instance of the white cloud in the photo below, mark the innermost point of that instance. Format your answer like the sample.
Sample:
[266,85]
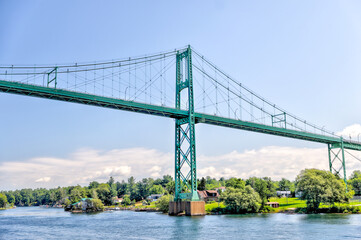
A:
[88,165]
[83,166]
[155,171]
[272,161]
[43,179]
[353,131]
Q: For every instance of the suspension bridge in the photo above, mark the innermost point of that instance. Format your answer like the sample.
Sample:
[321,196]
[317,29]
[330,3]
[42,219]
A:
[180,84]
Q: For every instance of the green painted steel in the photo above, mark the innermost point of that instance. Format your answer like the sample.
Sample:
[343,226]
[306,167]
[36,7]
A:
[54,79]
[329,157]
[88,99]
[333,156]
[343,163]
[185,149]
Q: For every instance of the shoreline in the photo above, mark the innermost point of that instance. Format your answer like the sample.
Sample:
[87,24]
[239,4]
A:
[109,209]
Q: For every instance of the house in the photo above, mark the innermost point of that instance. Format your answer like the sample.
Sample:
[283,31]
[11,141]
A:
[273,204]
[220,189]
[154,197]
[283,193]
[116,200]
[208,195]
[82,204]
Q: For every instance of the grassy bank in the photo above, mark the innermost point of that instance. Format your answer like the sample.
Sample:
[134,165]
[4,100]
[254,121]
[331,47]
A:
[292,204]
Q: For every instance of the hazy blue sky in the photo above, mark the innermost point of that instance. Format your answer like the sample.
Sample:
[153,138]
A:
[303,55]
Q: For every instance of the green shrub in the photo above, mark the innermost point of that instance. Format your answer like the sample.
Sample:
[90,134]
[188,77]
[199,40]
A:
[244,200]
[267,209]
[96,205]
[3,200]
[333,209]
[163,203]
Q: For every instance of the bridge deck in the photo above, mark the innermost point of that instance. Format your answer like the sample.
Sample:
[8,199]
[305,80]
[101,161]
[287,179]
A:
[88,99]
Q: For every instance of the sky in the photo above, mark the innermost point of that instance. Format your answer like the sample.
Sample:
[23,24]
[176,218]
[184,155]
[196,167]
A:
[304,56]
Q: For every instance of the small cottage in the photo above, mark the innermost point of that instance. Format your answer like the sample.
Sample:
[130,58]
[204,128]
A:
[82,204]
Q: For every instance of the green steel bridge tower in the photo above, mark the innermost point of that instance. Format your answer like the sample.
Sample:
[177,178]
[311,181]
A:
[185,143]
[204,94]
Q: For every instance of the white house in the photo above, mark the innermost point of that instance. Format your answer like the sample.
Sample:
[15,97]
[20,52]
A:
[154,197]
[283,193]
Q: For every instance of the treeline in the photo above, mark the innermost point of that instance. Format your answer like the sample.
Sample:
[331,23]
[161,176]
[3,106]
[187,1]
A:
[133,191]
[250,195]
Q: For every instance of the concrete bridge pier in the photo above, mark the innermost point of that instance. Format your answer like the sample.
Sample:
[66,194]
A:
[189,208]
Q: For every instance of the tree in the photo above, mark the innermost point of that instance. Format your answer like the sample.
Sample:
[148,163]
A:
[10,197]
[156,189]
[76,194]
[265,187]
[135,195]
[95,204]
[163,203]
[356,174]
[17,198]
[286,185]
[105,193]
[67,203]
[60,195]
[126,200]
[3,200]
[166,179]
[202,184]
[143,188]
[318,186]
[355,182]
[239,200]
[131,184]
[26,197]
[235,183]
[93,184]
[122,188]
[111,182]
[92,193]
[170,187]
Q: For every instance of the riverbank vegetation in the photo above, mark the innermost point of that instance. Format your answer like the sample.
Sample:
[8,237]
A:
[3,201]
[317,191]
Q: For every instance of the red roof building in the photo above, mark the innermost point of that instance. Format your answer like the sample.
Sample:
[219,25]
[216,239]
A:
[208,195]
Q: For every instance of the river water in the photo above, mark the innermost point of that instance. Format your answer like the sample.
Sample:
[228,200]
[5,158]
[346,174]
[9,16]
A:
[51,223]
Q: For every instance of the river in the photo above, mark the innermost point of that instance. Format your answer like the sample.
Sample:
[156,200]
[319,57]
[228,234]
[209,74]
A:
[51,223]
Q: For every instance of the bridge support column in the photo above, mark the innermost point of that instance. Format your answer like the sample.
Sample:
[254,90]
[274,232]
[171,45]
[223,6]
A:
[336,157]
[188,208]
[185,144]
